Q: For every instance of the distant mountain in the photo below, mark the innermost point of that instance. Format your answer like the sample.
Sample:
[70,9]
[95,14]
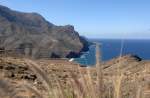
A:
[32,35]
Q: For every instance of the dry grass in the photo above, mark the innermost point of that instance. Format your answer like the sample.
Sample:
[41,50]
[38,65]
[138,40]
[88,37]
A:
[80,85]
[119,76]
[33,90]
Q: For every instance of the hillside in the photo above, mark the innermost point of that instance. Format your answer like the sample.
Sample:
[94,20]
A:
[31,35]
[27,78]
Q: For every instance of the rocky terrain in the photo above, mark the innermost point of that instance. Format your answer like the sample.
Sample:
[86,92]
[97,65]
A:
[31,35]
[27,78]
[26,36]
[133,76]
[19,78]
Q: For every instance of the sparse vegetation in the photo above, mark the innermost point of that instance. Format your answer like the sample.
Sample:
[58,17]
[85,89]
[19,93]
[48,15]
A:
[62,79]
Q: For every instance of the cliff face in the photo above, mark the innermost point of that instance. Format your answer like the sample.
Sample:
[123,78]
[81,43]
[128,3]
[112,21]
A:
[32,35]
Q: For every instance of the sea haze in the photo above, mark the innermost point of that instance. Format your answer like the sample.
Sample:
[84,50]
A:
[111,48]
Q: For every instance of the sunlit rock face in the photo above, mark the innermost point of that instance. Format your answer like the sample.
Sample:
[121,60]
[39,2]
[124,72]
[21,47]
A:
[32,35]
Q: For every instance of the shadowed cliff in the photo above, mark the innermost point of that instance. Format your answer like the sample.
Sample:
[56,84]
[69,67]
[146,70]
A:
[32,35]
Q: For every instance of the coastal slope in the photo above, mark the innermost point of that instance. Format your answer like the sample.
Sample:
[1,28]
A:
[31,78]
[31,35]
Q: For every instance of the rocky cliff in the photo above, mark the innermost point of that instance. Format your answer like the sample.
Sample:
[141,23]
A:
[32,35]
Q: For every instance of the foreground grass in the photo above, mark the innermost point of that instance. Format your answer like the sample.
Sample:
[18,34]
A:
[86,84]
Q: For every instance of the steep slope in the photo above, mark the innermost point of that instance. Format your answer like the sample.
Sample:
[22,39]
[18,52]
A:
[32,35]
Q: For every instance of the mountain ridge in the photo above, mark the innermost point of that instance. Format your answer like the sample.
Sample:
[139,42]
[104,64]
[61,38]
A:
[33,35]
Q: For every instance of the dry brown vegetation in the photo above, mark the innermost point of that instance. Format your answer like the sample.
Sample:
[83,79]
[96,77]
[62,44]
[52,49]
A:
[28,78]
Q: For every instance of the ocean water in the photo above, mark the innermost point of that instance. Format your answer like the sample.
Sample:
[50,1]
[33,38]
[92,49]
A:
[111,48]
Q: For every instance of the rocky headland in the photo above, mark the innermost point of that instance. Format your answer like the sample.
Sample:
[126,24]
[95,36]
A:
[31,35]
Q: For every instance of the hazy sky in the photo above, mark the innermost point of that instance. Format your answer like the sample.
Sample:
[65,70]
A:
[93,18]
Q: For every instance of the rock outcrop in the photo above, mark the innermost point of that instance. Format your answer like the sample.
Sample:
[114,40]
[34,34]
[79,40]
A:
[30,34]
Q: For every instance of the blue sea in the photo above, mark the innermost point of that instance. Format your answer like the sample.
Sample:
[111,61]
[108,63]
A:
[111,48]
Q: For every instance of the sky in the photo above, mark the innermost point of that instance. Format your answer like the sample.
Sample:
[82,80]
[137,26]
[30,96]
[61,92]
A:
[93,18]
